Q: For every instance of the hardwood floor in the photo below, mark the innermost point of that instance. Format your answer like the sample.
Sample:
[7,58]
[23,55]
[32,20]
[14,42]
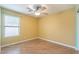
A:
[37,46]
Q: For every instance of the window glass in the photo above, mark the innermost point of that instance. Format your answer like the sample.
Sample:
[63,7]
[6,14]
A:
[11,31]
[11,20]
[12,25]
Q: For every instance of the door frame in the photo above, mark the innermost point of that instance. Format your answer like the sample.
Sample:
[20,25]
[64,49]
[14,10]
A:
[77,28]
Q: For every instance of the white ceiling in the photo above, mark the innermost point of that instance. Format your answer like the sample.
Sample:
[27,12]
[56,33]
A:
[52,8]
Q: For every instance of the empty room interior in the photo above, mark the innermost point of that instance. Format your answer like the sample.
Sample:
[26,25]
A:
[39,28]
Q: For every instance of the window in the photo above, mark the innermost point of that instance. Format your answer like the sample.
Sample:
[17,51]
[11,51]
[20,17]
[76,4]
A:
[12,25]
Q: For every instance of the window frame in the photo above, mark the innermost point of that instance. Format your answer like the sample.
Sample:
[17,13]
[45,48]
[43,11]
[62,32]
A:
[4,14]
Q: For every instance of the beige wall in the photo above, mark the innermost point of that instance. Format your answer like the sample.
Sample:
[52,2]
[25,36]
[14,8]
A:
[28,28]
[59,27]
[56,27]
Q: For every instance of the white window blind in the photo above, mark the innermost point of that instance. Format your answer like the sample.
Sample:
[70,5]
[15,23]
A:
[12,25]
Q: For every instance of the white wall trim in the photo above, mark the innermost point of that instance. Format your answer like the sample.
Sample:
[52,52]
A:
[18,42]
[42,39]
[59,43]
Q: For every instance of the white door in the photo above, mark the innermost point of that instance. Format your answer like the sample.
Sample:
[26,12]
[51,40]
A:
[0,29]
[77,33]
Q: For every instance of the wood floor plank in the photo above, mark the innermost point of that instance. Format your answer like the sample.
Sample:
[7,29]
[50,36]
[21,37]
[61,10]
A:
[37,46]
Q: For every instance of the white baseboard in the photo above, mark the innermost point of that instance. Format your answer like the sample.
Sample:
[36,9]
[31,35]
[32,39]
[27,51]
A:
[59,43]
[42,39]
[18,42]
